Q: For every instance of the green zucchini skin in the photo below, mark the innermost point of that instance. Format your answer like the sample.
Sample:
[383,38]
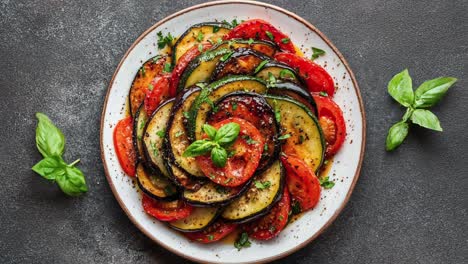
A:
[201,218]
[201,68]
[275,68]
[270,128]
[200,108]
[250,205]
[306,136]
[231,66]
[155,185]
[151,142]
[295,91]
[185,41]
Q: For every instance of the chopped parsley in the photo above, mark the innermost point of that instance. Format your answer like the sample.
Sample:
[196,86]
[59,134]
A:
[143,71]
[260,66]
[186,114]
[226,56]
[150,87]
[250,41]
[200,47]
[277,111]
[234,106]
[285,40]
[164,40]
[270,35]
[262,185]
[210,237]
[242,241]
[316,52]
[326,183]
[249,140]
[215,29]
[167,67]
[200,36]
[161,133]
[295,208]
[284,73]
[324,94]
[285,136]
[271,80]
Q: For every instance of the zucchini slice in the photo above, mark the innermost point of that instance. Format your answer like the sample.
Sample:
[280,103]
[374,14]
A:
[242,62]
[202,67]
[153,137]
[280,72]
[306,139]
[176,136]
[213,31]
[295,91]
[139,125]
[155,185]
[201,107]
[212,194]
[201,218]
[256,202]
[142,79]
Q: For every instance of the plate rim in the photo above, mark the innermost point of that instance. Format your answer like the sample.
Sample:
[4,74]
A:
[292,16]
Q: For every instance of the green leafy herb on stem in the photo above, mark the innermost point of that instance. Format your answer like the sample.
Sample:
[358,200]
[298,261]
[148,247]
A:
[51,144]
[316,52]
[242,241]
[164,40]
[426,95]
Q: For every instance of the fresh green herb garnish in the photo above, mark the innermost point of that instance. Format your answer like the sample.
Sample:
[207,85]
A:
[271,80]
[295,208]
[142,125]
[215,29]
[270,35]
[200,36]
[285,136]
[284,73]
[51,144]
[234,106]
[326,183]
[234,23]
[260,66]
[262,185]
[156,58]
[250,41]
[316,52]
[426,95]
[164,40]
[285,40]
[226,56]
[210,237]
[249,140]
[167,67]
[161,133]
[277,111]
[179,133]
[200,47]
[242,241]
[186,114]
[143,71]
[324,94]
[150,87]
[217,143]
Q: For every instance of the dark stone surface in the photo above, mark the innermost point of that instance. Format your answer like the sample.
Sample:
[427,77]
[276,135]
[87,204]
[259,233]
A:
[409,206]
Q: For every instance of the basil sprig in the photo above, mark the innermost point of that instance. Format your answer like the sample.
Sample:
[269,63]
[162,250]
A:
[51,144]
[426,95]
[217,143]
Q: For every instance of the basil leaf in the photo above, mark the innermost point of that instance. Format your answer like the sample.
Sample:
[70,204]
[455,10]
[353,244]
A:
[209,130]
[219,157]
[426,118]
[316,52]
[396,135]
[198,148]
[49,139]
[72,182]
[430,92]
[50,167]
[242,241]
[227,134]
[401,89]
[326,183]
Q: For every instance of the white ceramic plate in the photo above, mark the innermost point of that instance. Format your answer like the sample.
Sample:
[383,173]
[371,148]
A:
[345,169]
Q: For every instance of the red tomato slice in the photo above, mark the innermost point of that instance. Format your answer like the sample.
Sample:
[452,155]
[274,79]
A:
[157,92]
[239,168]
[270,225]
[257,29]
[182,63]
[215,232]
[302,183]
[316,77]
[123,143]
[332,122]
[166,211]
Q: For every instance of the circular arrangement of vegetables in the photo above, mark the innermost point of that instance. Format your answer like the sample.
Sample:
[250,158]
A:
[228,128]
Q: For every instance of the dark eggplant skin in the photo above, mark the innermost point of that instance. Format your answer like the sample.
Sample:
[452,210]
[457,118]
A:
[296,92]
[233,68]
[215,218]
[189,30]
[139,151]
[267,209]
[276,64]
[271,130]
[192,182]
[148,161]
[173,197]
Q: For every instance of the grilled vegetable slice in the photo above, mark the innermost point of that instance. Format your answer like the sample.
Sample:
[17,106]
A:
[212,194]
[155,185]
[196,34]
[199,219]
[279,71]
[202,67]
[295,91]
[203,104]
[139,124]
[150,69]
[306,139]
[254,109]
[166,211]
[123,144]
[153,137]
[176,137]
[213,233]
[242,62]
[263,193]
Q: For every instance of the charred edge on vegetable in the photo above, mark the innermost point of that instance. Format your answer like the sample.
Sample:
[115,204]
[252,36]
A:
[211,222]
[172,197]
[297,76]
[295,92]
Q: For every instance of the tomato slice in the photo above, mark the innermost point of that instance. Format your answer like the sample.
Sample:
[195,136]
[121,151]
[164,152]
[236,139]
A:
[213,233]
[182,63]
[270,225]
[316,77]
[166,211]
[247,151]
[257,29]
[332,122]
[301,181]
[158,91]
[123,144]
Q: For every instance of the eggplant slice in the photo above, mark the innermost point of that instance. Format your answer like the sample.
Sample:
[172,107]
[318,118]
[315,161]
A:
[241,62]
[199,219]
[279,71]
[212,194]
[257,202]
[155,185]
[139,125]
[295,91]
